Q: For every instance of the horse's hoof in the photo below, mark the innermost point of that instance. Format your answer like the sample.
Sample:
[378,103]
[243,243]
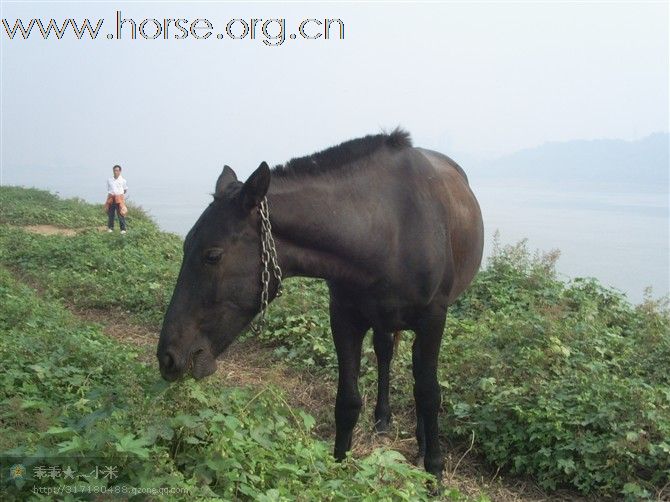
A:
[435,488]
[382,426]
[419,461]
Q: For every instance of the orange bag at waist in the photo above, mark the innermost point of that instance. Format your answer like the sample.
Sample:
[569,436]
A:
[116,199]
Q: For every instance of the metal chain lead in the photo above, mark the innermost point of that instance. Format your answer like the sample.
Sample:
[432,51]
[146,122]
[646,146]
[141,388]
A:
[270,244]
[268,258]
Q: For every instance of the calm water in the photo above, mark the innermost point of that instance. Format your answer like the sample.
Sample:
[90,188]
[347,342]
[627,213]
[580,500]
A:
[620,237]
[616,236]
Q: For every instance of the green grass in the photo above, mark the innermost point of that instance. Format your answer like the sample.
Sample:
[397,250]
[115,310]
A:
[132,274]
[566,382]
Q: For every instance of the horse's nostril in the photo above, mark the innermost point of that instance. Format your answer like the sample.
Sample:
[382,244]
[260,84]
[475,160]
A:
[168,361]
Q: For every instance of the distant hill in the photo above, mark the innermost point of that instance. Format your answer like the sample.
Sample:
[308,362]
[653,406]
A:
[642,163]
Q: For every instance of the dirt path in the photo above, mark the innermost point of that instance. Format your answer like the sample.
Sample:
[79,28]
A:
[54,230]
[245,363]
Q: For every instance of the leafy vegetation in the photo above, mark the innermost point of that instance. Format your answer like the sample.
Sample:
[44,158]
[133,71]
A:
[565,382]
[569,383]
[133,274]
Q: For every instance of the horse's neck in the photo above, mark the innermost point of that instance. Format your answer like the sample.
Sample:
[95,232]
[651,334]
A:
[316,230]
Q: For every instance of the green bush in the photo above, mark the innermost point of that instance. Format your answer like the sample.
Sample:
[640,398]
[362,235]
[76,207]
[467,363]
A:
[567,382]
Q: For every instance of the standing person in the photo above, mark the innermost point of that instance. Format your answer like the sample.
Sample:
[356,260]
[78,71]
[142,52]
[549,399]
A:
[116,201]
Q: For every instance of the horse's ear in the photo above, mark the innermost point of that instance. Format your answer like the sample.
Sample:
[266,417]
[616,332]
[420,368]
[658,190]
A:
[226,177]
[255,187]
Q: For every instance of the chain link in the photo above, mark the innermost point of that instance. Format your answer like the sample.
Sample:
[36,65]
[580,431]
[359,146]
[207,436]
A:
[268,260]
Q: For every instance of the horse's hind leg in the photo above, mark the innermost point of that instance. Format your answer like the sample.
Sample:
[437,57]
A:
[348,337]
[420,431]
[383,344]
[425,352]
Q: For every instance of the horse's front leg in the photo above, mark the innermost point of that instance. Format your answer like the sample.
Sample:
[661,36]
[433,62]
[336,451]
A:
[425,352]
[383,344]
[348,334]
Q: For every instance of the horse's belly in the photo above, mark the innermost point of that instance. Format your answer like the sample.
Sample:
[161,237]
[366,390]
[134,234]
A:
[389,313]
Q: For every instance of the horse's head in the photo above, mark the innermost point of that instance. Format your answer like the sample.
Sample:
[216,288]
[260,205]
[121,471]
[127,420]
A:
[218,289]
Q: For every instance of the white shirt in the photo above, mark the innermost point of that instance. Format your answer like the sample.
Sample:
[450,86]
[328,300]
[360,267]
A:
[117,186]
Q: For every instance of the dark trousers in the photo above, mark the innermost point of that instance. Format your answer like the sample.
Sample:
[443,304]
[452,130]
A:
[114,208]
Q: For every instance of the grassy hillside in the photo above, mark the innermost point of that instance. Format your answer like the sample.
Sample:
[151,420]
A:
[133,274]
[564,382]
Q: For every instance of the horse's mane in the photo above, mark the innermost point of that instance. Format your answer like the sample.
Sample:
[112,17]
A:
[344,154]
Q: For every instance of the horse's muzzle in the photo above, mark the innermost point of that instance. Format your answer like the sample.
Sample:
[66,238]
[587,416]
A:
[199,363]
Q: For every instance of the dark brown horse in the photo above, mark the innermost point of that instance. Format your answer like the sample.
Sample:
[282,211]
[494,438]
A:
[394,230]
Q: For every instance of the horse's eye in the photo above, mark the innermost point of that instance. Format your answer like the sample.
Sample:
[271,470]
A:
[213,256]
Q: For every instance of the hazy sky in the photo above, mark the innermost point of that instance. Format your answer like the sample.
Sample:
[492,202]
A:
[475,79]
